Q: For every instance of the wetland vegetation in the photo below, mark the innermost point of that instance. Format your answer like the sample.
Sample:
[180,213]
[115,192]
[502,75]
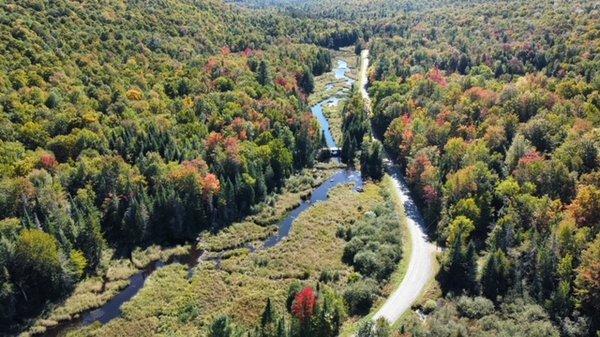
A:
[160,173]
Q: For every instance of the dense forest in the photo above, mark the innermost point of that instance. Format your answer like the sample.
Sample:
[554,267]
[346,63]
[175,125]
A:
[123,124]
[130,123]
[358,11]
[492,111]
[495,122]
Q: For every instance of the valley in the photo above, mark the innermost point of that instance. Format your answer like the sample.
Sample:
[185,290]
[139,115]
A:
[299,168]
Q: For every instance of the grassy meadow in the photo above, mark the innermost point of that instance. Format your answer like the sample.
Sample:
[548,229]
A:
[115,272]
[173,304]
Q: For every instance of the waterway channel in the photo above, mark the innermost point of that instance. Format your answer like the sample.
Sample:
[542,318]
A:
[112,309]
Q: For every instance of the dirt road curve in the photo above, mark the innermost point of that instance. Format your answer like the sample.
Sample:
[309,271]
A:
[362,77]
[422,264]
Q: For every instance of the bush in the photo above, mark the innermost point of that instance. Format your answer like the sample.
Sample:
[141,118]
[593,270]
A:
[476,307]
[360,296]
[367,262]
[351,248]
[327,276]
[429,306]
[375,242]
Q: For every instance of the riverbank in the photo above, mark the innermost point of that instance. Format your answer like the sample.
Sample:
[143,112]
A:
[116,276]
[238,268]
[261,230]
[121,279]
[239,284]
[337,82]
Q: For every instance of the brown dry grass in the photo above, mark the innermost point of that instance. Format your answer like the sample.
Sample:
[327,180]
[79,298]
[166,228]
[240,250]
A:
[240,288]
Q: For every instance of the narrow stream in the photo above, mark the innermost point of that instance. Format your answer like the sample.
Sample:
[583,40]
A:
[319,194]
[339,73]
[317,111]
[112,309]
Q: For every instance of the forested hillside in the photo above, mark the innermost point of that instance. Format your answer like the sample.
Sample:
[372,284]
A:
[359,11]
[128,123]
[493,112]
[128,127]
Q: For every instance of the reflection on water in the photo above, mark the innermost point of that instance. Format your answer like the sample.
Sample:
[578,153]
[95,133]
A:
[341,70]
[317,111]
[339,73]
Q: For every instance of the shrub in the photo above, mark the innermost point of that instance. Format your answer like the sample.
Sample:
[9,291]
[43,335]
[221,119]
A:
[475,307]
[305,304]
[360,296]
[429,306]
[329,276]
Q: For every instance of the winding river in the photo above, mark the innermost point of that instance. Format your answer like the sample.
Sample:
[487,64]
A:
[112,309]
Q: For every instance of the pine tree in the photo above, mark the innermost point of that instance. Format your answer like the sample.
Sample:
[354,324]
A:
[281,328]
[371,159]
[87,219]
[293,290]
[454,266]
[269,322]
[221,327]
[264,77]
[136,219]
[459,270]
[268,315]
[495,275]
[8,298]
[471,284]
[307,81]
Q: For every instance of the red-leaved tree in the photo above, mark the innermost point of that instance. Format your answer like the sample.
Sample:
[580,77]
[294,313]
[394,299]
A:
[48,161]
[305,304]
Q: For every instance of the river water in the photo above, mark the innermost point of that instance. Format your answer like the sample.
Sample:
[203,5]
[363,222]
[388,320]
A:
[112,309]
[339,73]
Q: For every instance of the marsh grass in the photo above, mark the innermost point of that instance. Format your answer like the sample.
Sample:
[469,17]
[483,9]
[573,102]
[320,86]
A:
[235,236]
[337,87]
[240,287]
[97,290]
[334,116]
[241,284]
[114,274]
[257,227]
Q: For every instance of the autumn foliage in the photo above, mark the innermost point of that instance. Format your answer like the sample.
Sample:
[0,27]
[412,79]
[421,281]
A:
[305,304]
